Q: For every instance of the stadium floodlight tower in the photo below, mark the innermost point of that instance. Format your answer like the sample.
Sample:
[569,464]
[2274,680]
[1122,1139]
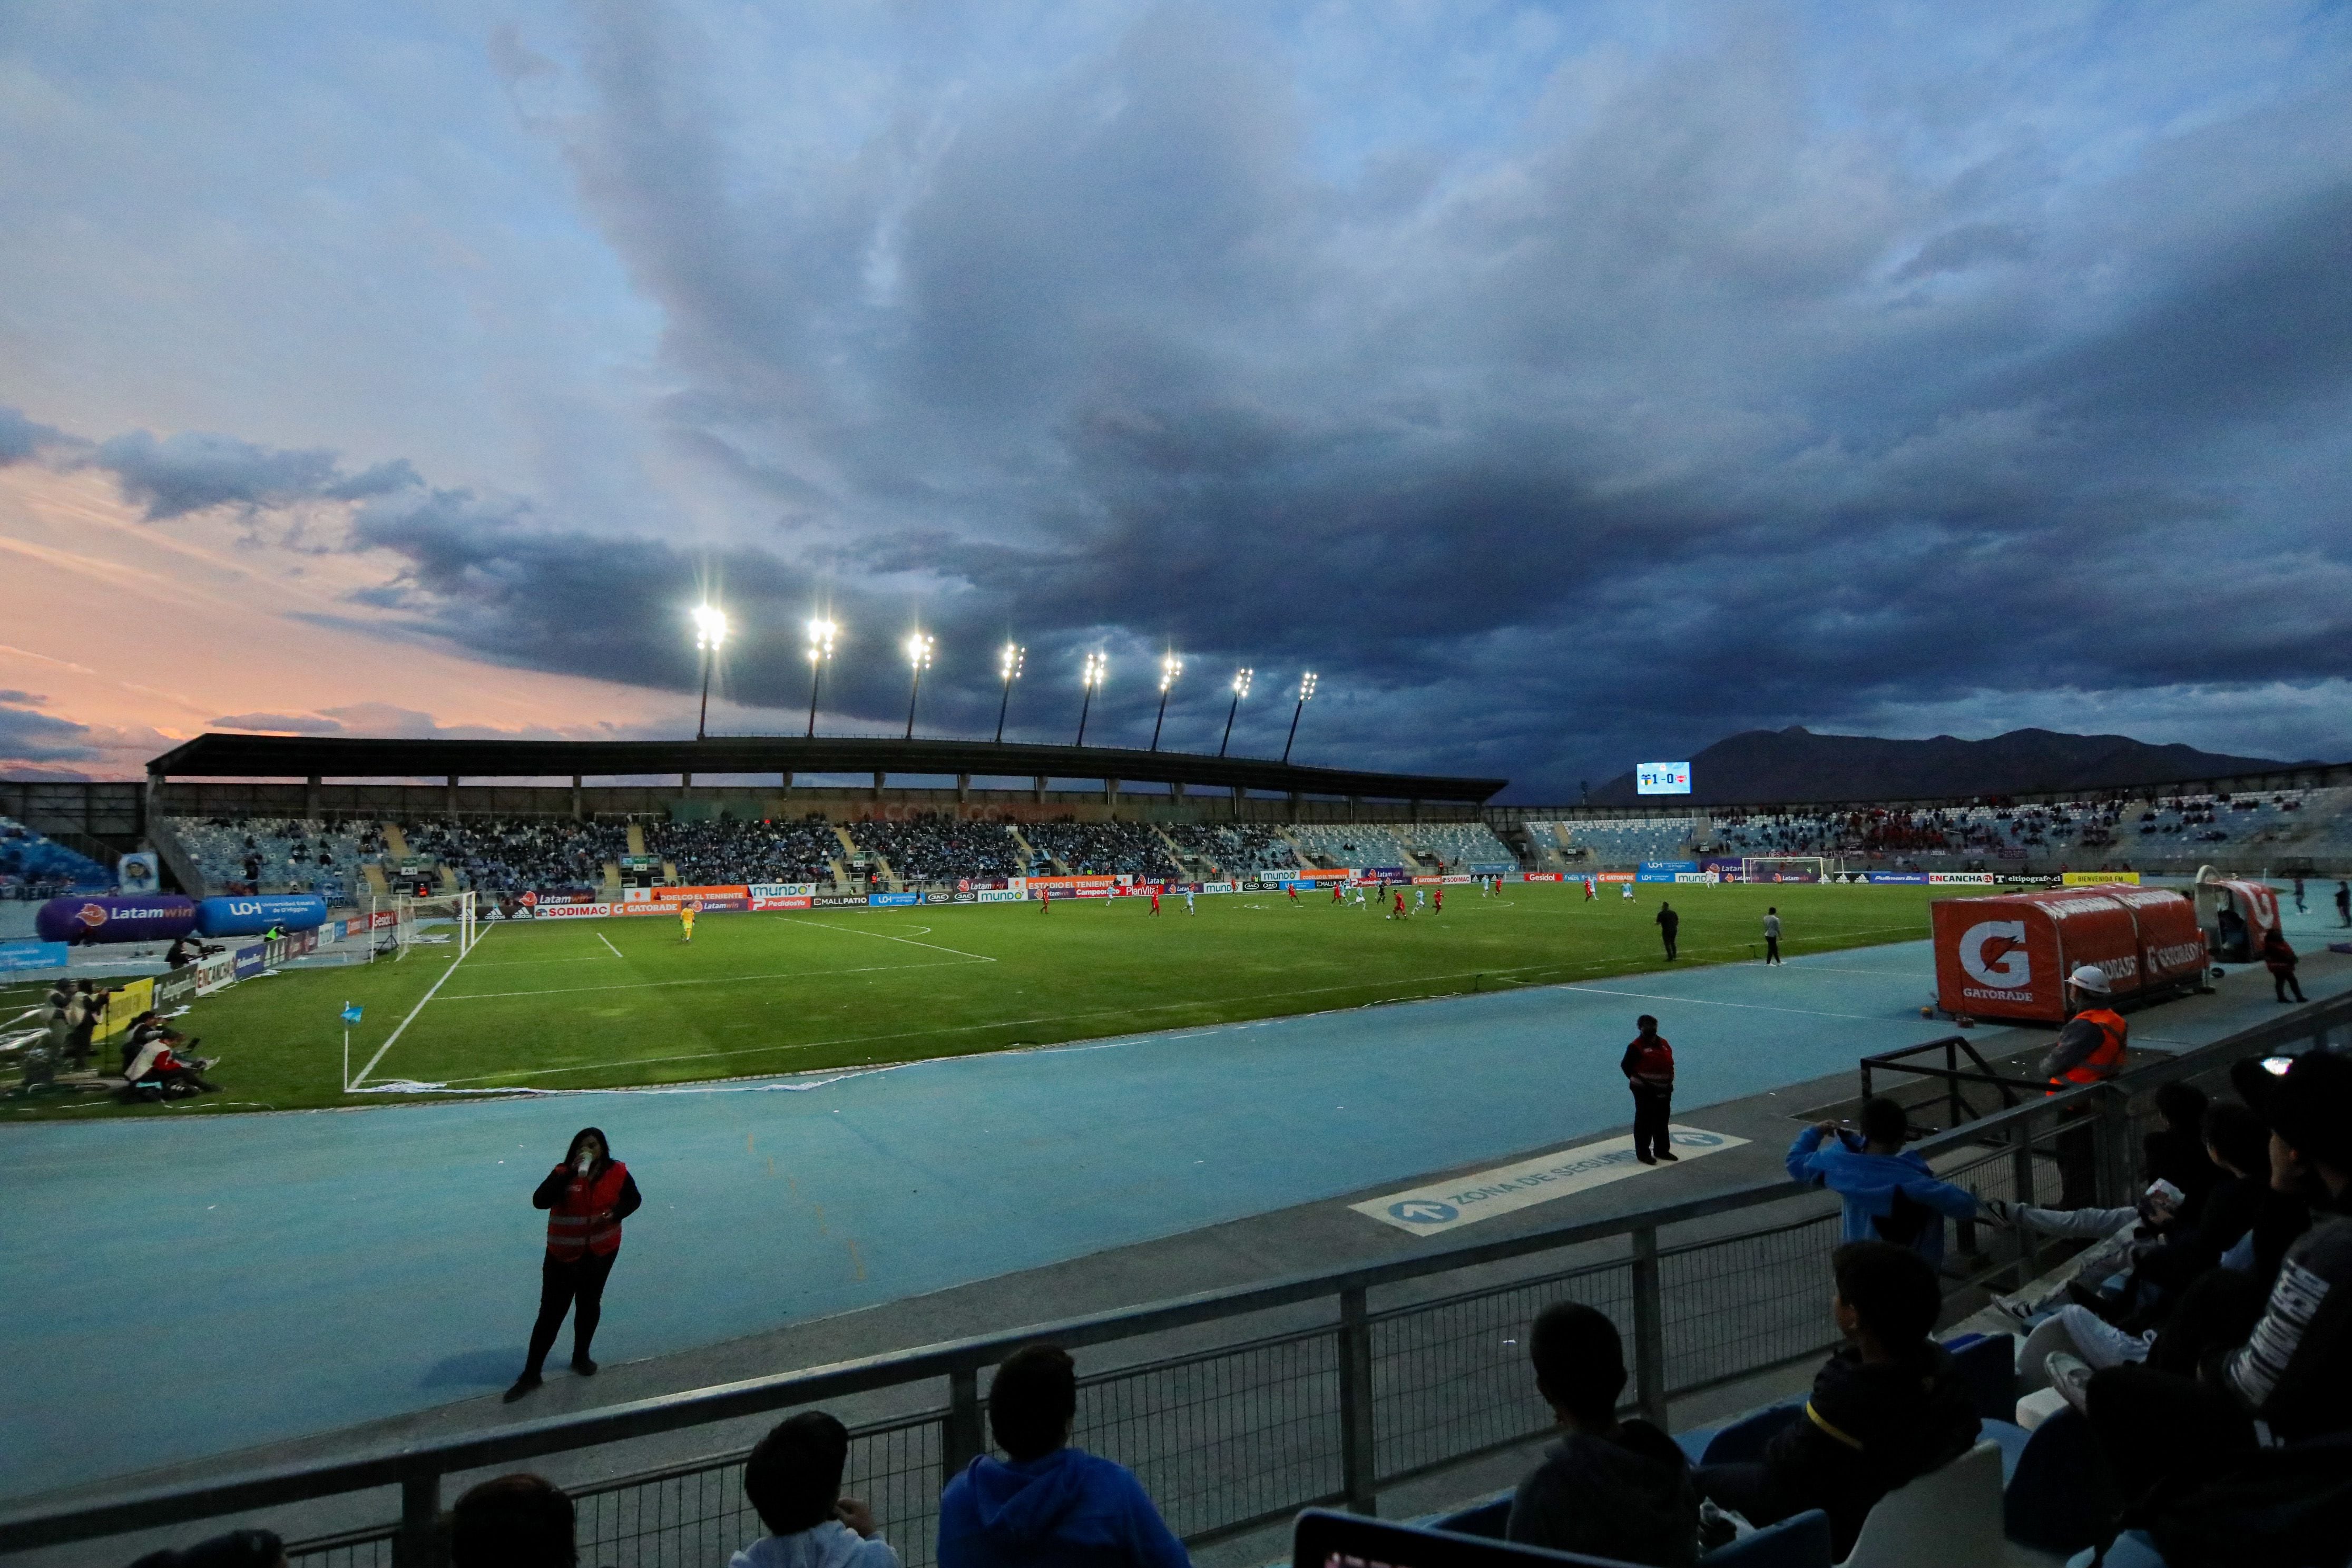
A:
[1098,666]
[1241,689]
[918,654]
[1008,664]
[821,634]
[1171,666]
[1306,690]
[709,631]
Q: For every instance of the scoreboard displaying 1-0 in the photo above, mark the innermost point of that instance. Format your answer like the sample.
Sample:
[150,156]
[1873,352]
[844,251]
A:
[1662,778]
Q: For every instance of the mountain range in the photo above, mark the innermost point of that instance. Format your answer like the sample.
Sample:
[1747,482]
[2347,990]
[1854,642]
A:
[1774,766]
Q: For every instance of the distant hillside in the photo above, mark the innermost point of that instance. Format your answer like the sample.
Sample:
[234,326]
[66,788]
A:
[1764,766]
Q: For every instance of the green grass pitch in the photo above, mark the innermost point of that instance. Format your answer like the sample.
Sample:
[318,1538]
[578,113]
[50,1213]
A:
[595,1003]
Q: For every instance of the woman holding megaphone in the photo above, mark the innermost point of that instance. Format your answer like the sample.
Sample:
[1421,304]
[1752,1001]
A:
[586,1198]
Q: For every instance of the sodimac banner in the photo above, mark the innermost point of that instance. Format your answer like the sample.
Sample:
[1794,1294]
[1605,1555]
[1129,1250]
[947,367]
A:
[2007,956]
[573,911]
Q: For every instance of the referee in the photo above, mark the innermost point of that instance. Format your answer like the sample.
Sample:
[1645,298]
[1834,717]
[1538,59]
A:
[586,1198]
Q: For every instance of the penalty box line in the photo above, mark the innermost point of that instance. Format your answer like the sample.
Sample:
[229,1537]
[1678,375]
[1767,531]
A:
[714,980]
[402,1028]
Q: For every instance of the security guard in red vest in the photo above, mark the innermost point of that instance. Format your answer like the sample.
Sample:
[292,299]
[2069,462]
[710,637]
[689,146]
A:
[2090,1048]
[586,1197]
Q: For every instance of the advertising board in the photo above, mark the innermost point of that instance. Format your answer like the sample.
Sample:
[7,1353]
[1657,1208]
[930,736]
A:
[2100,879]
[780,900]
[1908,878]
[1613,877]
[783,889]
[1662,778]
[642,908]
[1703,877]
[1960,879]
[1547,877]
[573,911]
[998,896]
[893,900]
[1662,870]
[32,955]
[1216,886]
[172,989]
[2008,955]
[250,914]
[636,895]
[109,917]
[248,960]
[679,895]
[215,972]
[1099,883]
[838,901]
[1491,868]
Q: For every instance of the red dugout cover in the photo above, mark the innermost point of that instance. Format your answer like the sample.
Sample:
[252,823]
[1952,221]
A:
[2008,956]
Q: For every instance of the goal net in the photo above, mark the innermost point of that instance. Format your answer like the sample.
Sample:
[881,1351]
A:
[1782,868]
[444,919]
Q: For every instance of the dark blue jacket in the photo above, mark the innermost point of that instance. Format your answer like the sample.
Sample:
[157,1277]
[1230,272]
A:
[1069,1508]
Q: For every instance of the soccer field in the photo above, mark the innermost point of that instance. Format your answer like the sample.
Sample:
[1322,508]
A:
[599,1003]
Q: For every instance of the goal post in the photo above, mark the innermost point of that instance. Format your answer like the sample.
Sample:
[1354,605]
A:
[432,920]
[1782,868]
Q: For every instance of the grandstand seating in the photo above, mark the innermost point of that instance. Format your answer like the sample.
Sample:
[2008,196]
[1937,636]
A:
[32,865]
[726,851]
[1354,844]
[1105,848]
[930,849]
[278,855]
[1629,840]
[1235,849]
[1459,845]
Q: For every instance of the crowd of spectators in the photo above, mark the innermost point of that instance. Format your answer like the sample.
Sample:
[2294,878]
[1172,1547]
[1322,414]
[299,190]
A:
[1105,848]
[33,866]
[518,855]
[726,851]
[1234,849]
[941,849]
[268,854]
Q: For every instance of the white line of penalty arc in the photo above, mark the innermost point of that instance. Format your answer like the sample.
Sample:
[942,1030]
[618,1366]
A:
[716,979]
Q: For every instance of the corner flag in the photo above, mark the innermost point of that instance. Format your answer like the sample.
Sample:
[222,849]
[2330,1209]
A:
[351,1013]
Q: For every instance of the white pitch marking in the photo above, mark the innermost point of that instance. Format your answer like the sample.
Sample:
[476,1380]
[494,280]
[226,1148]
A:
[884,936]
[608,943]
[403,1028]
[1702,1002]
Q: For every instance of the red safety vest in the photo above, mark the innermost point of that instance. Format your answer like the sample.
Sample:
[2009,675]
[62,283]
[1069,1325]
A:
[571,1231]
[2107,1060]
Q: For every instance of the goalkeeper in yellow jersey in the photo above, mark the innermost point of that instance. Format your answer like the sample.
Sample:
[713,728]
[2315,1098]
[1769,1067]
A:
[686,913]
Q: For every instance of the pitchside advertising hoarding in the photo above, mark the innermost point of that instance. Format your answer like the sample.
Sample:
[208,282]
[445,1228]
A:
[1662,778]
[1663,870]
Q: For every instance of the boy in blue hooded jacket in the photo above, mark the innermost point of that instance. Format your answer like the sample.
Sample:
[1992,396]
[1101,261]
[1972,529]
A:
[1047,1502]
[1889,1196]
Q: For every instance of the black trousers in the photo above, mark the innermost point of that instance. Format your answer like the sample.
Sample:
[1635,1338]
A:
[1772,950]
[2160,1429]
[2282,978]
[1668,932]
[578,1287]
[1651,1108]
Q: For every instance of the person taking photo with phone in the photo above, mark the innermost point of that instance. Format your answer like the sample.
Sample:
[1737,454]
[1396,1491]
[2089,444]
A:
[586,1198]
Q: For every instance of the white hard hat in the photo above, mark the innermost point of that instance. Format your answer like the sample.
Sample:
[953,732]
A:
[2090,977]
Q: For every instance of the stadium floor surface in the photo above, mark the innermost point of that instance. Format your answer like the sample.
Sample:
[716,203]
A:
[166,1275]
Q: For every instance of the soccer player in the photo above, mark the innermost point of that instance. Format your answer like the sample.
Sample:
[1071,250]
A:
[1155,899]
[1398,913]
[686,913]
[1188,901]
[1292,889]
[1440,908]
[1044,904]
[1340,892]
[1421,898]
[1628,892]
[1359,895]
[1589,893]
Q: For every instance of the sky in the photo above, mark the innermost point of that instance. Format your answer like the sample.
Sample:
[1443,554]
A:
[1566,385]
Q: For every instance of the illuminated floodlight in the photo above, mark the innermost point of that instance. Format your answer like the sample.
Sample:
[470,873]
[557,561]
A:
[821,636]
[709,631]
[1098,669]
[1171,666]
[1241,689]
[1009,660]
[1306,690]
[918,654]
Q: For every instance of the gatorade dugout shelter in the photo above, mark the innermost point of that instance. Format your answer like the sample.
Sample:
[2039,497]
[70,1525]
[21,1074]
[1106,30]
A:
[2007,957]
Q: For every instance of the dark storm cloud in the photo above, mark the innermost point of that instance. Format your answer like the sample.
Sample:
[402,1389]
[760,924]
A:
[20,438]
[30,735]
[191,470]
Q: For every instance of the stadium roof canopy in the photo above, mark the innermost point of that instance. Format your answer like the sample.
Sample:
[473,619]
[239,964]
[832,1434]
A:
[340,756]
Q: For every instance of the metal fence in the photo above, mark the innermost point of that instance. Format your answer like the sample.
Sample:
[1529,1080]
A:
[1239,1434]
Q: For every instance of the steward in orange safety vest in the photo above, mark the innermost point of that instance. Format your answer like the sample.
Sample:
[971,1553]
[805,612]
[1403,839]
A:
[2090,1048]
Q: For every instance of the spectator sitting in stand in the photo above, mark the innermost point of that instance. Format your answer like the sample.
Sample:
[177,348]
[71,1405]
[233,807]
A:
[1607,1488]
[2167,1436]
[514,1521]
[1046,1502]
[793,1479]
[2176,1153]
[1889,1196]
[1886,1408]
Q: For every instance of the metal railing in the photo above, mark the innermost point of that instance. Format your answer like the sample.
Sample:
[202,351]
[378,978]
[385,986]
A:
[1238,1435]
